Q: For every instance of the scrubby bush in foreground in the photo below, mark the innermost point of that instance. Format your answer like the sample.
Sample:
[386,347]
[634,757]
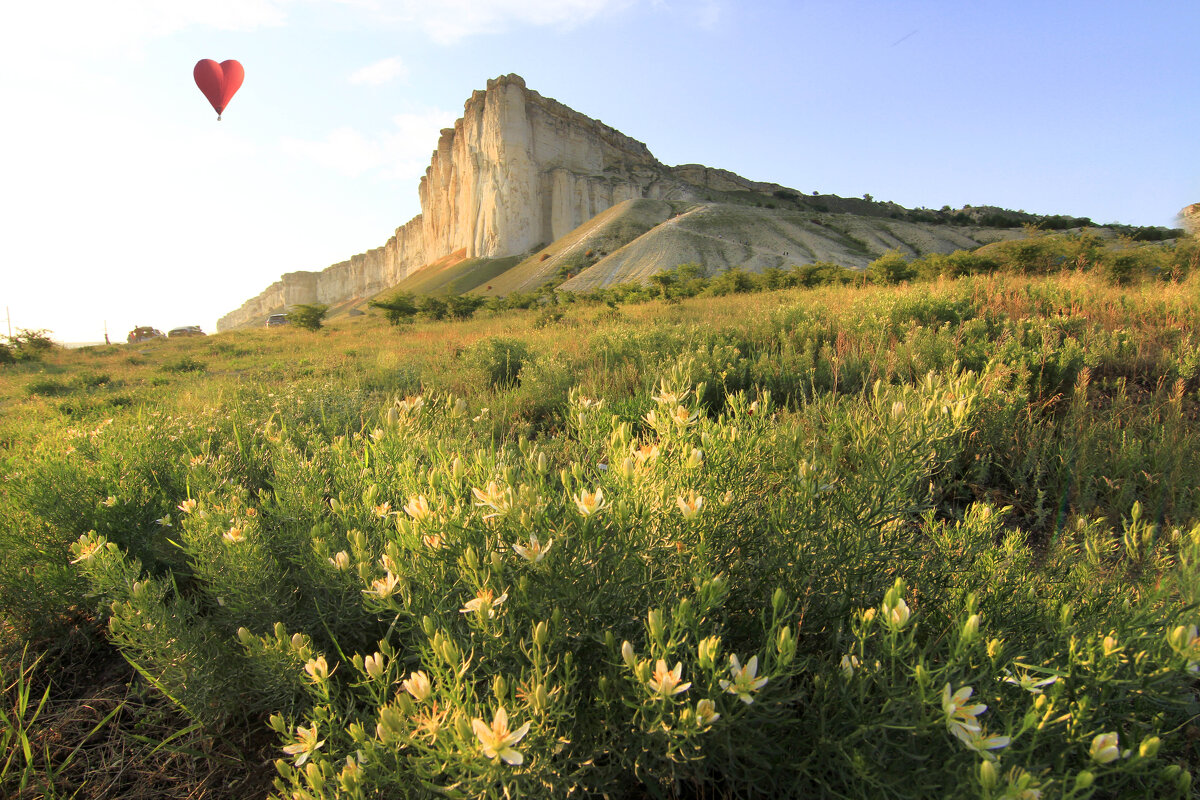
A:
[682,602]
[793,552]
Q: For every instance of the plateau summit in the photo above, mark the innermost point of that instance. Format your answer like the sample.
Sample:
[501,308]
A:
[524,190]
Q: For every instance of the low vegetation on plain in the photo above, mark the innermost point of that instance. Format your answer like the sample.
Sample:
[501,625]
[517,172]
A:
[930,533]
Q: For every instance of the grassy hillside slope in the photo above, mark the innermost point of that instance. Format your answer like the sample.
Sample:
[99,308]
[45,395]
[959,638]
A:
[584,246]
[722,236]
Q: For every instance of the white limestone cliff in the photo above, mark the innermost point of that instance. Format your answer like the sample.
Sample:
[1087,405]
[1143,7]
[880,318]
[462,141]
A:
[517,170]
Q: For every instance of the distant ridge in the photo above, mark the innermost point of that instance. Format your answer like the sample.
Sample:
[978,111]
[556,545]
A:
[516,193]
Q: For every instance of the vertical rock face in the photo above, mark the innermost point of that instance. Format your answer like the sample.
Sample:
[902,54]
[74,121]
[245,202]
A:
[1190,217]
[517,170]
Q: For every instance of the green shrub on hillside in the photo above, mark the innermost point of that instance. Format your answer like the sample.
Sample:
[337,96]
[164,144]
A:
[309,316]
[398,308]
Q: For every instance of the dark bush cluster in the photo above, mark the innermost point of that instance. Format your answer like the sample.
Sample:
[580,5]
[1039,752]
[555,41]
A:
[27,345]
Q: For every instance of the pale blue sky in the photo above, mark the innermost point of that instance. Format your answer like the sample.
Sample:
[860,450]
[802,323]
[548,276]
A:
[127,202]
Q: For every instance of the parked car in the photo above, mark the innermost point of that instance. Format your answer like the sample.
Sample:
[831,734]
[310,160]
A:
[187,330]
[277,319]
[144,333]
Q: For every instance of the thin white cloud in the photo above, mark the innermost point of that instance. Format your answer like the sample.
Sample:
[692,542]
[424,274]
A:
[449,21]
[381,72]
[78,28]
[401,152]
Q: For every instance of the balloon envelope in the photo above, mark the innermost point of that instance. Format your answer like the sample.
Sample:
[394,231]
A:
[219,82]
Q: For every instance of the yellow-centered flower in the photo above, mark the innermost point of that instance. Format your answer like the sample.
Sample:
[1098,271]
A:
[690,504]
[959,710]
[384,587]
[745,679]
[590,503]
[683,418]
[535,552]
[305,745]
[485,603]
[497,740]
[1105,748]
[493,497]
[417,684]
[666,682]
[418,508]
[235,534]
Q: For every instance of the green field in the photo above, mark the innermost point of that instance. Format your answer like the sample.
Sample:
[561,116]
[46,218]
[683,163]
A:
[939,539]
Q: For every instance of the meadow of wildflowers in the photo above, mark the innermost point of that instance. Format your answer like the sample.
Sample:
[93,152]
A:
[929,541]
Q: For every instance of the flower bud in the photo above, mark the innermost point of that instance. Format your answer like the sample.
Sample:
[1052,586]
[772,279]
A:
[463,727]
[785,645]
[921,674]
[706,651]
[278,724]
[499,688]
[543,463]
[683,611]
[627,654]
[391,720]
[1149,747]
[1184,781]
[778,598]
[654,623]
[497,562]
[373,665]
[988,774]
[1084,780]
[471,557]
[427,625]
[970,628]
[297,640]
[541,698]
[244,636]
[315,779]
[541,633]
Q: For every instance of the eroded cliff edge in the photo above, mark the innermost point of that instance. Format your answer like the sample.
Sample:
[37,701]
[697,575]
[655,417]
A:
[517,170]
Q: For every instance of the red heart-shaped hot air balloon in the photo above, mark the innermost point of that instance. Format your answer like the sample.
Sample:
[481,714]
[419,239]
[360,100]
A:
[219,82]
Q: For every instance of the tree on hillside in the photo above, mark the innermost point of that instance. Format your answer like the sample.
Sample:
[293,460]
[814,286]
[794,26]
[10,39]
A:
[462,306]
[308,315]
[397,309]
[434,308]
[891,267]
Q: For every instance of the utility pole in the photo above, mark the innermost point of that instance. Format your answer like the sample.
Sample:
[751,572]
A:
[8,314]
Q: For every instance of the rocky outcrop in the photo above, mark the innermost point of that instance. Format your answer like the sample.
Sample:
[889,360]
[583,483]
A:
[516,171]
[1190,218]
